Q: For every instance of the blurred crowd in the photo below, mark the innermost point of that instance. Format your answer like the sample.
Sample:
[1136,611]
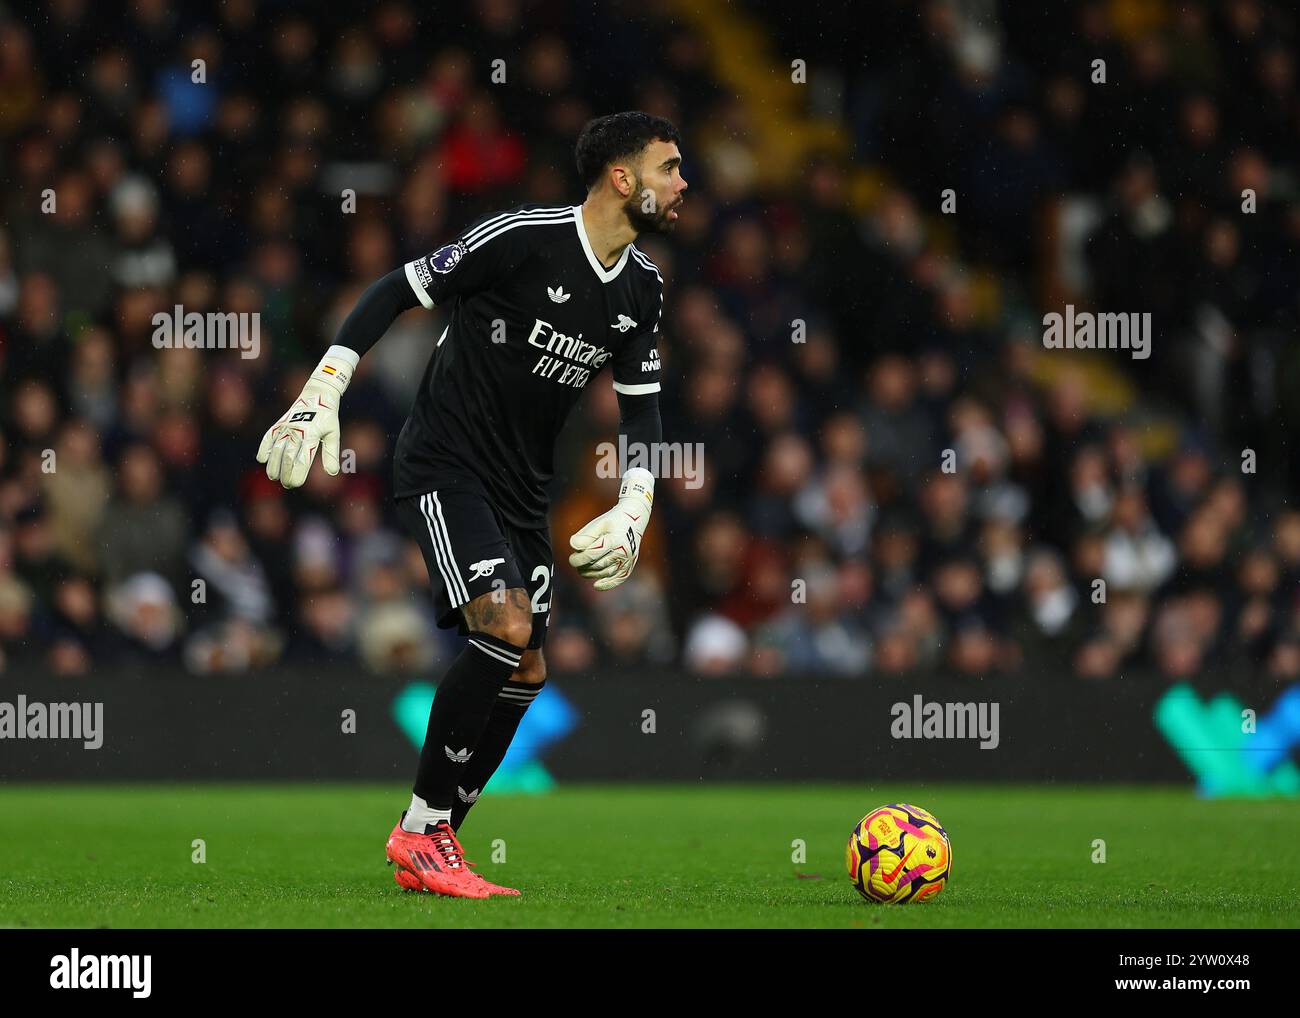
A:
[897,475]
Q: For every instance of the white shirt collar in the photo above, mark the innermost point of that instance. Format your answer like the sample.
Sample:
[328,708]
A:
[606,275]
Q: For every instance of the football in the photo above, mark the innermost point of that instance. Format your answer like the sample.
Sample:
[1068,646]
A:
[897,854]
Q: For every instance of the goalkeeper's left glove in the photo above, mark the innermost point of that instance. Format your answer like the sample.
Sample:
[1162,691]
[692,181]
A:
[606,549]
[289,445]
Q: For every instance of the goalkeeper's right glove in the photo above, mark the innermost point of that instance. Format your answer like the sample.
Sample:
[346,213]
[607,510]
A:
[289,447]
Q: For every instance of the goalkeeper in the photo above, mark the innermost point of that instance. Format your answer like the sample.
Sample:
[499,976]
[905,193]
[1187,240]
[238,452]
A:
[538,299]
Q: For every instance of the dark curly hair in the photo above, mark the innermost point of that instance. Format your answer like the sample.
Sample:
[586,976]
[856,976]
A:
[606,139]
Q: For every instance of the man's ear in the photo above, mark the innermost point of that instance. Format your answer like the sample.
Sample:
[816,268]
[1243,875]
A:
[624,179]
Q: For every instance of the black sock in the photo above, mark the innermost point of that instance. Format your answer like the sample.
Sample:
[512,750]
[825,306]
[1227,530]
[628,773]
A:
[508,711]
[460,712]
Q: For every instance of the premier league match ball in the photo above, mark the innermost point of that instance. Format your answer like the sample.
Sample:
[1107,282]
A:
[897,854]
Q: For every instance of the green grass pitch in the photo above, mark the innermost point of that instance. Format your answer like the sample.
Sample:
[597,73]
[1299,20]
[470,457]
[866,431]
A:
[634,855]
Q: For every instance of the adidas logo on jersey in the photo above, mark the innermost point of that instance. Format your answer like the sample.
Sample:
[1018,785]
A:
[458,756]
[484,567]
[623,324]
[557,294]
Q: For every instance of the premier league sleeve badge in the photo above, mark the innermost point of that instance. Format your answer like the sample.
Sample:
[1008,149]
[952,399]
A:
[448,257]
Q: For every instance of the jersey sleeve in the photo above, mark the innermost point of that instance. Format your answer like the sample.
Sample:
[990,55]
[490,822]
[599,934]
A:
[477,259]
[636,365]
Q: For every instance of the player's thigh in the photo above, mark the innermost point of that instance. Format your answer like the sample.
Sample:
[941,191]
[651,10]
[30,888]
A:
[532,552]
[503,612]
[475,580]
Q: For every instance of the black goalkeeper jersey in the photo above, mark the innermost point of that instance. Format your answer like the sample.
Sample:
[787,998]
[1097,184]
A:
[534,317]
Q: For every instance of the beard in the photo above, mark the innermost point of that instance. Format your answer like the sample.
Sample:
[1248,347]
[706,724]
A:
[648,222]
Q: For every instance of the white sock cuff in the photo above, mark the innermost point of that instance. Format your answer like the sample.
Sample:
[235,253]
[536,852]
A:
[420,813]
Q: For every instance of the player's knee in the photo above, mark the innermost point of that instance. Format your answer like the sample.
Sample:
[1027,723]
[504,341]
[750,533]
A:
[507,617]
[532,669]
[515,629]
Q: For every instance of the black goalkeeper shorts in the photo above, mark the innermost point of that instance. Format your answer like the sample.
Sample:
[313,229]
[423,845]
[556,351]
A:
[470,550]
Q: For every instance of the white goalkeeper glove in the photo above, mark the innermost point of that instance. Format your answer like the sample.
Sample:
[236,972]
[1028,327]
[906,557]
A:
[289,447]
[606,549]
